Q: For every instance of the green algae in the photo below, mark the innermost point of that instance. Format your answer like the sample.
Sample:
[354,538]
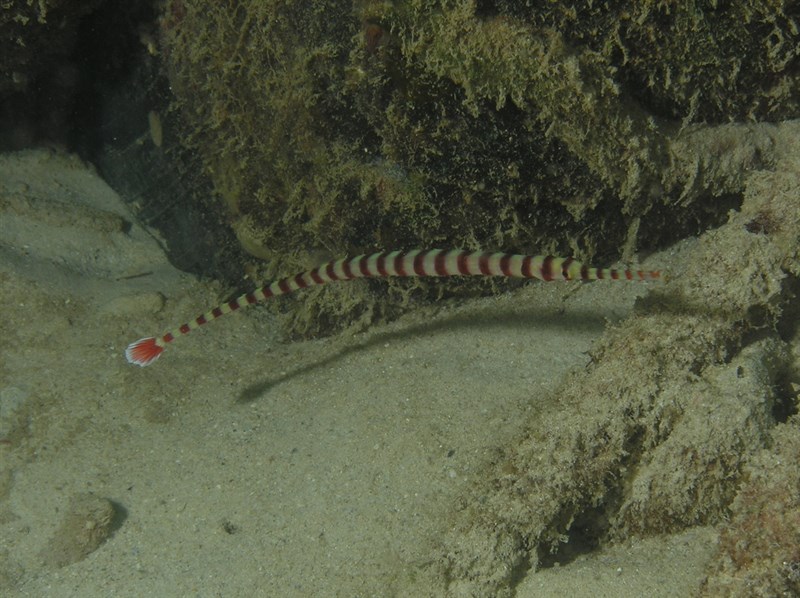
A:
[350,127]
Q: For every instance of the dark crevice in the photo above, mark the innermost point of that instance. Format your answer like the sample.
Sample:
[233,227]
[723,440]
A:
[583,537]
[784,402]
[122,90]
[789,320]
[520,571]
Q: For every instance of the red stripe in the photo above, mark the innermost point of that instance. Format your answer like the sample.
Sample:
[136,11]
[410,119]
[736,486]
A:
[399,265]
[314,274]
[547,268]
[168,338]
[614,275]
[283,285]
[381,265]
[584,272]
[419,263]
[628,274]
[184,329]
[505,264]
[300,281]
[527,272]
[483,264]
[233,305]
[200,320]
[216,312]
[363,266]
[329,270]
[461,262]
[347,269]
[440,264]
[565,267]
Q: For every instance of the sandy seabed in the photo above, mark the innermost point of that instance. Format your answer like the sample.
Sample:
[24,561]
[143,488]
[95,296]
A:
[243,465]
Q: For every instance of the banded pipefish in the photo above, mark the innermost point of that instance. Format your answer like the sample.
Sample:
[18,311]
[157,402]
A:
[432,262]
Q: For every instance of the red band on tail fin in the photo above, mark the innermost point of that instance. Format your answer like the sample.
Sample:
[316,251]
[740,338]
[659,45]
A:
[143,352]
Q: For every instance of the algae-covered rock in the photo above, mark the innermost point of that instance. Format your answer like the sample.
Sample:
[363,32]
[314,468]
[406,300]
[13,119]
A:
[335,128]
[676,409]
[759,549]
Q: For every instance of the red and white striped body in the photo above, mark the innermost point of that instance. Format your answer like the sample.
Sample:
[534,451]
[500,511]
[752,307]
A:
[433,262]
